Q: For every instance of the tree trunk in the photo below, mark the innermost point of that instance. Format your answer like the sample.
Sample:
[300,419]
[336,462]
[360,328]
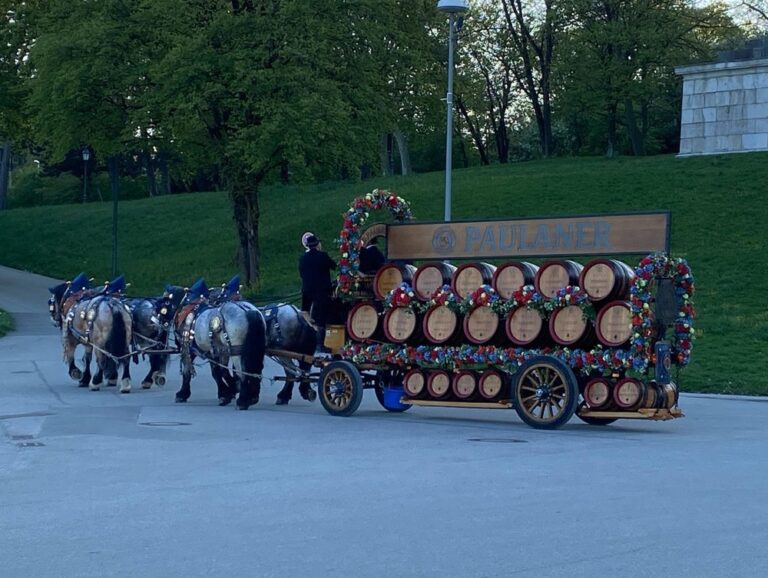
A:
[245,203]
[149,164]
[612,149]
[474,130]
[405,155]
[385,154]
[5,168]
[165,178]
[635,137]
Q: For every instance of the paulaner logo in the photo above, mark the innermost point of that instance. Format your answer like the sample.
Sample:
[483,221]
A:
[444,240]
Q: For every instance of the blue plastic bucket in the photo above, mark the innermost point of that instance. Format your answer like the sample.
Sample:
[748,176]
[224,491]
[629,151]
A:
[392,397]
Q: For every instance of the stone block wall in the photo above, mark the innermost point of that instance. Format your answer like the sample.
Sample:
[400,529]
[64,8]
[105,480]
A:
[725,107]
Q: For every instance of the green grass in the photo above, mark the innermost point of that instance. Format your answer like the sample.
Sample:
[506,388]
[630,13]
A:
[6,323]
[718,203]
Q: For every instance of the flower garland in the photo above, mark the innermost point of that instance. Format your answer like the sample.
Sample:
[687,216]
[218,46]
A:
[528,297]
[571,295]
[401,296]
[659,265]
[443,296]
[483,296]
[349,242]
[597,360]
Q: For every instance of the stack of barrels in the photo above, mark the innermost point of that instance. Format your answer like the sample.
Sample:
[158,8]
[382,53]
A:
[606,282]
[628,394]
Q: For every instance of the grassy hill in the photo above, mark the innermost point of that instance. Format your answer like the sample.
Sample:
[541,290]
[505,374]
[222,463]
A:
[718,203]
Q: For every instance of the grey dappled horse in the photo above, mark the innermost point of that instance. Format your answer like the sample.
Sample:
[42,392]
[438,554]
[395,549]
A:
[152,323]
[100,323]
[287,329]
[232,336]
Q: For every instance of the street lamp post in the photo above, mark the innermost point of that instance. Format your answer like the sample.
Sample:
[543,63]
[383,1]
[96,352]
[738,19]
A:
[86,158]
[452,7]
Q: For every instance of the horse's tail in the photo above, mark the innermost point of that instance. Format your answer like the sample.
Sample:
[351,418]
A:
[255,343]
[116,343]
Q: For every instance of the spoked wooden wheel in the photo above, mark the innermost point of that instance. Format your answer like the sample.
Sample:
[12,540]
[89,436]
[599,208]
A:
[545,392]
[341,388]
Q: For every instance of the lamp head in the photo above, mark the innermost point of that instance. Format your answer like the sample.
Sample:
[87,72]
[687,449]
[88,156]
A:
[453,6]
[86,153]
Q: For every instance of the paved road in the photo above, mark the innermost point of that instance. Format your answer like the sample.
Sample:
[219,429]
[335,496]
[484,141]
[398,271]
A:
[103,484]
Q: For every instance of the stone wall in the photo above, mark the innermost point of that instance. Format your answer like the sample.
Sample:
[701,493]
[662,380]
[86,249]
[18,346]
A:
[725,107]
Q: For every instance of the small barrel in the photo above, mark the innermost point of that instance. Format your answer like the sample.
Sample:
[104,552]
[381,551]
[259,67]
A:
[670,395]
[481,325]
[471,276]
[430,277]
[390,276]
[614,324]
[464,384]
[629,393]
[513,276]
[362,321]
[490,386]
[568,327]
[440,325]
[654,396]
[598,393]
[606,280]
[400,324]
[525,327]
[415,384]
[439,384]
[554,275]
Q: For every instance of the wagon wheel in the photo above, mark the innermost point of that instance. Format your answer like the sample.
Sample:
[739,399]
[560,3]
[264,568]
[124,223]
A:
[340,388]
[593,420]
[381,382]
[545,392]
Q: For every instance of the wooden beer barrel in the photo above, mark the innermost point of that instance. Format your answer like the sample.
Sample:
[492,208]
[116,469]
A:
[606,280]
[598,393]
[471,276]
[513,276]
[654,396]
[525,327]
[670,395]
[400,324]
[362,321]
[568,327]
[430,277]
[554,275]
[490,386]
[415,383]
[629,393]
[481,325]
[439,384]
[464,384]
[440,324]
[614,324]
[390,276]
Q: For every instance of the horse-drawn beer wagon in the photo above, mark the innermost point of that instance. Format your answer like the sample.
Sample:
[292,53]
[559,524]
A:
[597,339]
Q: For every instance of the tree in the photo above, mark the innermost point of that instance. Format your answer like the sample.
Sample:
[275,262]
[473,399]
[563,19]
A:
[249,86]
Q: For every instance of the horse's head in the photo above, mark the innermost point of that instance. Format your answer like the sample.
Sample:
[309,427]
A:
[55,302]
[168,304]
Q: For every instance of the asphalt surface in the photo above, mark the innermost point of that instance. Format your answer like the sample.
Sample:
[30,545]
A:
[104,484]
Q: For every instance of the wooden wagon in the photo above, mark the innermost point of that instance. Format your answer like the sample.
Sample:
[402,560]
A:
[426,332]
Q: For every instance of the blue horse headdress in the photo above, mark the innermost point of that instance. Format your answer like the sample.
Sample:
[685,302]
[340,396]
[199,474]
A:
[197,290]
[117,285]
[79,283]
[231,288]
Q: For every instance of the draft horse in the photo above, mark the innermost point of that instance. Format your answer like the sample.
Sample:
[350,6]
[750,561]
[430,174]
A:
[230,336]
[98,322]
[152,327]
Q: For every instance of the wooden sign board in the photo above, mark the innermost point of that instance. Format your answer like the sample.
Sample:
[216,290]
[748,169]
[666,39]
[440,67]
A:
[544,237]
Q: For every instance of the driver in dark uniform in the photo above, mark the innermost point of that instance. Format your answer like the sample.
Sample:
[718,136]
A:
[315,268]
